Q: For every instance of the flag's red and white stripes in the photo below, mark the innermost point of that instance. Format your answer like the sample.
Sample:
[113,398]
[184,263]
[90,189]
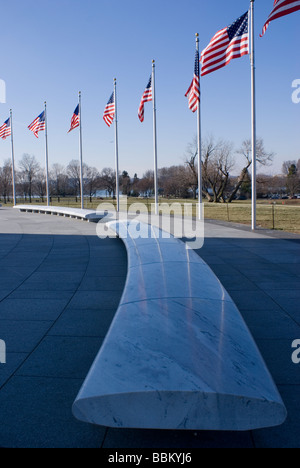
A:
[5,129]
[193,93]
[75,121]
[224,47]
[281,8]
[110,110]
[38,125]
[147,97]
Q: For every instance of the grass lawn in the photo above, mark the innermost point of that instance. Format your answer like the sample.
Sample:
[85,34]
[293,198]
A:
[280,215]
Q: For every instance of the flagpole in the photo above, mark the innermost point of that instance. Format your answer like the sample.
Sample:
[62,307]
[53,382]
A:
[154,138]
[46,155]
[253,112]
[117,148]
[13,159]
[199,147]
[80,150]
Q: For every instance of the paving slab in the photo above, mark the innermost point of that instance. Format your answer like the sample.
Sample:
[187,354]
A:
[36,294]
[102,283]
[14,360]
[62,356]
[92,300]
[287,435]
[22,336]
[257,299]
[83,322]
[271,324]
[32,309]
[277,355]
[35,413]
[46,281]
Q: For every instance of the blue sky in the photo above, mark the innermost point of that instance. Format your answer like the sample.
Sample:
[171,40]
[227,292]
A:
[52,49]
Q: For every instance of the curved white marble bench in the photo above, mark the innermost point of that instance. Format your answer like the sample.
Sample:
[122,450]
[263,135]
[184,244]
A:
[85,215]
[178,354]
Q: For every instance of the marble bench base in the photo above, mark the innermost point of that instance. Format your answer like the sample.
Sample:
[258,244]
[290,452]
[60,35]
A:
[178,354]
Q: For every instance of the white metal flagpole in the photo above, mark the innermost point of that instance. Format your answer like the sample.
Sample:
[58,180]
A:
[80,151]
[253,111]
[117,147]
[13,159]
[154,139]
[47,159]
[199,147]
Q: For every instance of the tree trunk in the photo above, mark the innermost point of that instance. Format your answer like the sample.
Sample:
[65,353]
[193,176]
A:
[239,184]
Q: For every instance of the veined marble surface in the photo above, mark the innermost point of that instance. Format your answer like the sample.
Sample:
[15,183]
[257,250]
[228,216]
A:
[178,354]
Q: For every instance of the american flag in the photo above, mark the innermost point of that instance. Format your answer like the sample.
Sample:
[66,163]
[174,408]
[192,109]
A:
[281,8]
[38,125]
[5,130]
[193,93]
[110,110]
[229,43]
[75,121]
[147,97]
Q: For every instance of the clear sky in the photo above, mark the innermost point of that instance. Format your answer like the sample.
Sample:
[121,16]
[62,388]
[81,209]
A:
[51,49]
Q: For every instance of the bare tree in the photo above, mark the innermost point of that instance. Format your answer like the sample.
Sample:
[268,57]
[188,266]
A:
[59,180]
[107,181]
[191,162]
[263,157]
[135,186]
[146,184]
[73,172]
[286,167]
[125,183]
[40,184]
[92,182]
[216,165]
[291,171]
[29,169]
[175,181]
[264,183]
[6,180]
[292,180]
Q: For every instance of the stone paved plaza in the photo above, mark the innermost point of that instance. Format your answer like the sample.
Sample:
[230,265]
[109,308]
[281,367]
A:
[60,287]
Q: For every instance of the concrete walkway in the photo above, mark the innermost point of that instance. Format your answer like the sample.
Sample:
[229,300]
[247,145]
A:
[59,289]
